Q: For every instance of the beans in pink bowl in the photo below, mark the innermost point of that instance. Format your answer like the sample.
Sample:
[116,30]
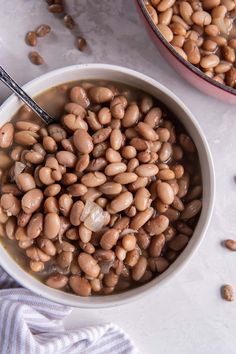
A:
[201,32]
[105,199]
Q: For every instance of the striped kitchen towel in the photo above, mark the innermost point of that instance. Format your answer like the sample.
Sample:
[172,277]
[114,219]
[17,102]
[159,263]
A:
[30,324]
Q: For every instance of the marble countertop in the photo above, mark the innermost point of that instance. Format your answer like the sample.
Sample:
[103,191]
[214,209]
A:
[187,315]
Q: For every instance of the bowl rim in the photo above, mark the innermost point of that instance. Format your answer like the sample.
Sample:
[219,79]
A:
[31,283]
[186,63]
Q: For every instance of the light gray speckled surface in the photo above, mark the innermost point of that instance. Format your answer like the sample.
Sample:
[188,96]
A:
[187,316]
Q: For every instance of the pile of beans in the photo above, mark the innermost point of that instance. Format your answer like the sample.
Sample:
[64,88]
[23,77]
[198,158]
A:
[106,198]
[202,32]
[57,8]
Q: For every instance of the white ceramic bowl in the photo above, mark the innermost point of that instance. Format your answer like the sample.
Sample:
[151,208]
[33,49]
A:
[133,78]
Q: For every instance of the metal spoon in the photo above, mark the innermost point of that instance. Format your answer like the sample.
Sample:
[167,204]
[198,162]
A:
[8,81]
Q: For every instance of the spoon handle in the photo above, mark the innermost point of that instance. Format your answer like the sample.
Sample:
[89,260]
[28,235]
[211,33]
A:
[7,80]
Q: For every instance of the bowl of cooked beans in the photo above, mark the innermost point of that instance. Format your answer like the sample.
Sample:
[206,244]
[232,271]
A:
[198,38]
[111,200]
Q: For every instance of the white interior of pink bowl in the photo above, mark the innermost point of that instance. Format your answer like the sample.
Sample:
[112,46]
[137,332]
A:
[133,78]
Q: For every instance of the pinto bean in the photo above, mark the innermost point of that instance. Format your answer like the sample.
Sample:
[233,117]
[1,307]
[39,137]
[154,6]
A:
[84,233]
[183,183]
[93,121]
[104,115]
[35,226]
[128,152]
[51,225]
[109,239]
[51,205]
[88,265]
[101,135]
[92,194]
[37,255]
[57,281]
[25,182]
[25,137]
[191,209]
[116,139]
[139,269]
[66,158]
[141,199]
[129,242]
[5,160]
[93,179]
[146,131]
[141,218]
[34,157]
[45,175]
[79,95]
[143,239]
[115,168]
[69,178]
[178,242]
[77,189]
[100,94]
[79,285]
[64,259]
[156,245]
[165,193]
[75,213]
[52,190]
[65,203]
[47,246]
[32,200]
[83,141]
[111,188]
[157,225]
[147,170]
[11,188]
[36,266]
[10,228]
[131,116]
[23,218]
[125,178]
[49,144]
[122,201]
[82,163]
[6,135]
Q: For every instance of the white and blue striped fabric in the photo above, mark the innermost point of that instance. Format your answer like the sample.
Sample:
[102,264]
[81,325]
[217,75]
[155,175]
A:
[30,324]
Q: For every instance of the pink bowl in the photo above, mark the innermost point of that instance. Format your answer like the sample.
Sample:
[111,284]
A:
[191,73]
